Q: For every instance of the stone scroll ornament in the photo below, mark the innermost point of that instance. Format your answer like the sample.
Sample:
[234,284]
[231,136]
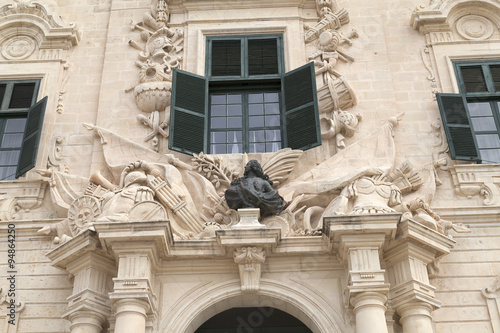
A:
[160,52]
[254,190]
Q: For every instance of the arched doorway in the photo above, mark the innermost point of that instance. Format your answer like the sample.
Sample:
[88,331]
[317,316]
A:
[253,320]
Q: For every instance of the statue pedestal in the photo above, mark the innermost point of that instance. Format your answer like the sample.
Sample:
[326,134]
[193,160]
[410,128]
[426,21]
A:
[249,219]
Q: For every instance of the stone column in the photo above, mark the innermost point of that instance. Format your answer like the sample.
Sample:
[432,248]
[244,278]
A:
[416,317]
[369,308]
[88,307]
[138,248]
[360,241]
[407,258]
[131,315]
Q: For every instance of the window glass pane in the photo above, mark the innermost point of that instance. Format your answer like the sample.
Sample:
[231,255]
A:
[218,137]
[262,56]
[22,95]
[234,149]
[273,108]
[255,98]
[234,122]
[255,109]
[233,136]
[226,57]
[7,173]
[271,97]
[483,124]
[219,122]
[9,157]
[273,135]
[218,149]
[234,99]
[273,147]
[490,155]
[12,140]
[234,110]
[479,109]
[272,120]
[257,121]
[257,147]
[495,75]
[218,110]
[488,141]
[256,136]
[2,93]
[218,99]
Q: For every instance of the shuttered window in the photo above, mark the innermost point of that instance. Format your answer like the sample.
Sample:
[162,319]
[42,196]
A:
[249,103]
[20,126]
[472,118]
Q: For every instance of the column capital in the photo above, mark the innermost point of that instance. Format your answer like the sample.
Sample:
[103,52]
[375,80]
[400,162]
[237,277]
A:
[407,259]
[86,321]
[369,299]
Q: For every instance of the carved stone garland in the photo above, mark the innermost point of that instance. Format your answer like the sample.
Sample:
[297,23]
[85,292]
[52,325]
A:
[161,52]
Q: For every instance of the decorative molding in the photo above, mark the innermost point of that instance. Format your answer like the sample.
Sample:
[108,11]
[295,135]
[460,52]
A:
[29,30]
[426,59]
[477,179]
[454,20]
[492,297]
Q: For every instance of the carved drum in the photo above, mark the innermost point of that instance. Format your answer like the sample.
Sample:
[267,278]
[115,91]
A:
[335,95]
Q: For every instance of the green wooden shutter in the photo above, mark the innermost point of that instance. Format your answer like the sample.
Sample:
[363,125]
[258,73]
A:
[302,129]
[31,139]
[226,57]
[187,112]
[461,140]
[263,56]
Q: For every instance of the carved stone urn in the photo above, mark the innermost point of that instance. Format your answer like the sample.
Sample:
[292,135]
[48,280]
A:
[153,96]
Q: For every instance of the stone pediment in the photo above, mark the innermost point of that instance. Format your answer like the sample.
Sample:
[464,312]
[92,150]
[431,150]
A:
[29,30]
[450,21]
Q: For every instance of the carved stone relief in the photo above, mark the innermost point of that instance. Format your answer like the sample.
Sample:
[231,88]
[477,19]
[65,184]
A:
[44,36]
[11,309]
[492,297]
[249,260]
[335,95]
[161,52]
[481,179]
[474,27]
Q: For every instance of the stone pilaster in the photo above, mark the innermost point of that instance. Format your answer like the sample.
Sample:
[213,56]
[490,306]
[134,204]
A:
[138,248]
[89,306]
[407,258]
[359,241]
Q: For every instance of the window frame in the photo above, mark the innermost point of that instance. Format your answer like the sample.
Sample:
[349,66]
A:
[298,97]
[22,113]
[245,84]
[490,96]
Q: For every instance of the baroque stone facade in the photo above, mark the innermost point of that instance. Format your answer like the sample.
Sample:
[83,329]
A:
[378,229]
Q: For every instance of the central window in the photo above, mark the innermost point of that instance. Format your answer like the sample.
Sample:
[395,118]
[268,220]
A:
[245,103]
[248,118]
